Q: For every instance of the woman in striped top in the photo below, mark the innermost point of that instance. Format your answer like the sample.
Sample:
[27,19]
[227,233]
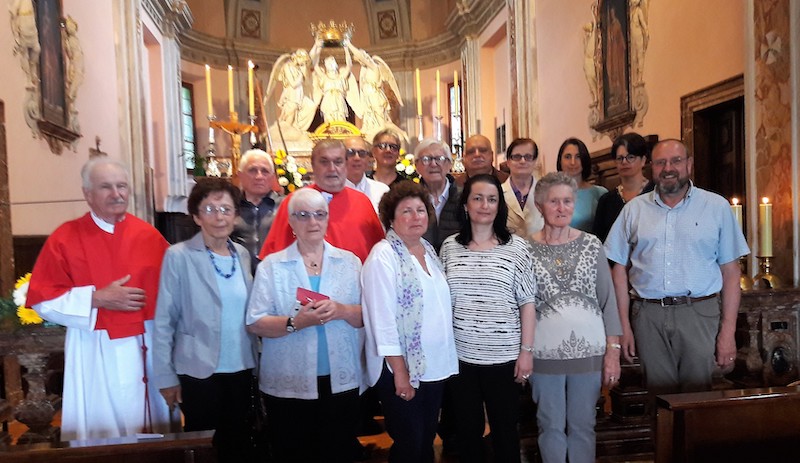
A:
[492,288]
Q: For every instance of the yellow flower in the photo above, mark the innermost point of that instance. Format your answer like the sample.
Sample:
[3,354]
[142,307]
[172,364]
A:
[280,172]
[278,161]
[28,316]
[302,170]
[280,154]
[291,187]
[416,179]
[402,151]
[405,162]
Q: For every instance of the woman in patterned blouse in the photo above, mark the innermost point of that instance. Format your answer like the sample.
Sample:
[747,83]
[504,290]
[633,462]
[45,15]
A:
[576,344]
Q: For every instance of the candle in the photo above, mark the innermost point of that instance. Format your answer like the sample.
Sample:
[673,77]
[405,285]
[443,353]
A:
[208,90]
[736,208]
[230,88]
[765,228]
[419,95]
[455,92]
[251,101]
[438,97]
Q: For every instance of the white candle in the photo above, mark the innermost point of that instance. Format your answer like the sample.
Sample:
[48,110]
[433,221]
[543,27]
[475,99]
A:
[765,228]
[419,94]
[250,99]
[208,90]
[736,208]
[455,92]
[230,88]
[438,96]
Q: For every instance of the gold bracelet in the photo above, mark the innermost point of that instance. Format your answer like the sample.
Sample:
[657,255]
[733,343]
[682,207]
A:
[614,345]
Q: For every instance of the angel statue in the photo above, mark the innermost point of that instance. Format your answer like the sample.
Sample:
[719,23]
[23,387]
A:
[296,107]
[374,102]
[334,87]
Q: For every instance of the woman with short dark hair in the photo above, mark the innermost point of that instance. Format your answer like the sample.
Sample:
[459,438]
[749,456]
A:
[492,286]
[575,161]
[201,350]
[407,314]
[521,157]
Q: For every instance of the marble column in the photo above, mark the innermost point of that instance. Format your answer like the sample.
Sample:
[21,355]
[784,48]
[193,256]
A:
[470,114]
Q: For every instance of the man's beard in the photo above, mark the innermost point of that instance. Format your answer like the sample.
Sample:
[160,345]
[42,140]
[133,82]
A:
[680,182]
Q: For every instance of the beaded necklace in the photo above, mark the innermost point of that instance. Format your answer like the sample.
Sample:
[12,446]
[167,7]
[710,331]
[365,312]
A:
[234,255]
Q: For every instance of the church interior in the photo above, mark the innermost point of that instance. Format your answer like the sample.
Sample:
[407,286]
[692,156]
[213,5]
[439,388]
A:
[178,89]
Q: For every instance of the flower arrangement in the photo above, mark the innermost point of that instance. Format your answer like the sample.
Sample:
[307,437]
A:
[290,176]
[405,166]
[15,309]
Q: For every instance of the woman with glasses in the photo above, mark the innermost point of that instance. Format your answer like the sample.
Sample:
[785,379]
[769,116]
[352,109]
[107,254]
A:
[630,152]
[523,217]
[201,349]
[407,314]
[386,150]
[305,306]
[575,161]
[492,286]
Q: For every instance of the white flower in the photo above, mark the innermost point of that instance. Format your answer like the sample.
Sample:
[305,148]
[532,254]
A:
[409,170]
[299,182]
[283,181]
[410,157]
[291,167]
[400,167]
[21,294]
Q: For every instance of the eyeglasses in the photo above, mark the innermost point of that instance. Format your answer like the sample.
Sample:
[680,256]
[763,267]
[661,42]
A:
[426,160]
[388,146]
[305,216]
[520,157]
[477,149]
[212,210]
[628,157]
[661,163]
[363,154]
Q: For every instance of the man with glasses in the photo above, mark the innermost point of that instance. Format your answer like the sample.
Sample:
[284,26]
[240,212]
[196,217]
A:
[352,222]
[478,159]
[386,149]
[98,276]
[432,159]
[359,160]
[258,203]
[682,246]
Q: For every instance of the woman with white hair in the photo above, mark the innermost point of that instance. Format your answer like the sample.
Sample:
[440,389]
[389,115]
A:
[305,304]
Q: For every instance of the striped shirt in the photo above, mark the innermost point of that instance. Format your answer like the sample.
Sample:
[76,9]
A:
[487,288]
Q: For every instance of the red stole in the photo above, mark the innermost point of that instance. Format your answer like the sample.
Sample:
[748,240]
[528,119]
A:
[352,225]
[79,253]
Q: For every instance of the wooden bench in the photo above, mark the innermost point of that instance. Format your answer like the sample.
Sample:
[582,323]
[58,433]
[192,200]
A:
[746,425]
[184,447]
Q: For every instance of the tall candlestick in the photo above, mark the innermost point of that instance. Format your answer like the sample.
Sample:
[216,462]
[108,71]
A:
[456,95]
[250,99]
[736,208]
[438,97]
[419,94]
[765,228]
[208,90]
[230,88]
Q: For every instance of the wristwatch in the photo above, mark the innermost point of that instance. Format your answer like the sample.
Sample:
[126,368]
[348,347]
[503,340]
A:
[290,328]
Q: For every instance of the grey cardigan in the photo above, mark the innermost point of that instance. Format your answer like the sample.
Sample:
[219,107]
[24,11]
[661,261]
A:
[187,322]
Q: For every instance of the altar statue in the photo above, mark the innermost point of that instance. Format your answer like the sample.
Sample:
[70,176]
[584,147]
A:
[74,70]
[334,87]
[296,107]
[374,101]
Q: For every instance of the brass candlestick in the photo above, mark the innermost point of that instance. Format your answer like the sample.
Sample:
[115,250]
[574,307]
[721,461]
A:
[235,129]
[745,282]
[765,279]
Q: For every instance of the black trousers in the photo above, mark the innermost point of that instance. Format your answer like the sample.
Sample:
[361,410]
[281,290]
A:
[494,387]
[410,423]
[320,430]
[220,402]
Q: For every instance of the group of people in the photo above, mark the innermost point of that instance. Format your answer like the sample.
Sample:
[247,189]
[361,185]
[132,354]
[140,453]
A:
[444,296]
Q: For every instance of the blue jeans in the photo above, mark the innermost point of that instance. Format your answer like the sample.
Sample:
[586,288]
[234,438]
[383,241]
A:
[566,415]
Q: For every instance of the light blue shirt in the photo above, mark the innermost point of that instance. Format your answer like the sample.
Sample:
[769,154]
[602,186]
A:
[585,207]
[233,293]
[676,251]
[323,363]
[289,363]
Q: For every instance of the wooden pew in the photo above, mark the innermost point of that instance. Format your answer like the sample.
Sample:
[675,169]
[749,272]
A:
[746,425]
[185,447]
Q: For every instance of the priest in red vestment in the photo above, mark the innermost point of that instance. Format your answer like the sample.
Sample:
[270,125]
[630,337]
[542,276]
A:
[98,276]
[352,222]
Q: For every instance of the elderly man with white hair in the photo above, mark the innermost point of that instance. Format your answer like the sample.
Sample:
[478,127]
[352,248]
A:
[433,160]
[258,204]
